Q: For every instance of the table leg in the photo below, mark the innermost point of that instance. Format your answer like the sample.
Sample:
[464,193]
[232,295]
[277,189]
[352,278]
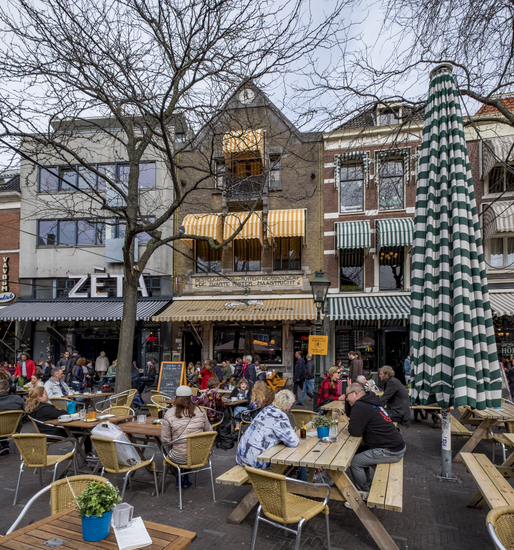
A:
[373,526]
[80,437]
[475,439]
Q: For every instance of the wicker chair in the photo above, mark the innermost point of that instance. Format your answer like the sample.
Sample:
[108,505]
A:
[219,415]
[500,524]
[245,419]
[300,416]
[199,449]
[106,450]
[158,398]
[33,450]
[121,399]
[61,497]
[9,422]
[282,507]
[59,403]
[121,410]
[154,410]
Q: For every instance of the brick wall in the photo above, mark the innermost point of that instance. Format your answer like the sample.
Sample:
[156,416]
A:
[10,240]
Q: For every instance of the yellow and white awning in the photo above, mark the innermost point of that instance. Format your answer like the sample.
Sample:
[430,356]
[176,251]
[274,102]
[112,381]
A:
[244,141]
[252,228]
[284,309]
[287,223]
[203,225]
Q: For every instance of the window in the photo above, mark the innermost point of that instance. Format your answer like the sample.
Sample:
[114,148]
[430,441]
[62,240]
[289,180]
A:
[147,175]
[43,289]
[208,260]
[263,343]
[274,172]
[243,177]
[392,266]
[247,255]
[388,117]
[502,252]
[153,286]
[352,188]
[351,270]
[287,254]
[63,287]
[390,194]
[219,173]
[70,232]
[501,179]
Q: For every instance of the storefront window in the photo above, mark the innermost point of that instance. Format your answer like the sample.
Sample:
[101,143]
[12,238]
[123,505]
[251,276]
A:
[247,255]
[264,344]
[287,254]
[208,260]
[392,264]
[351,270]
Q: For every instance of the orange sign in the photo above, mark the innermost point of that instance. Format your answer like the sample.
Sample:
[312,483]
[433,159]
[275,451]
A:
[318,345]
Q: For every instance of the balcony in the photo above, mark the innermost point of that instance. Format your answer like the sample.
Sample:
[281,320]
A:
[244,189]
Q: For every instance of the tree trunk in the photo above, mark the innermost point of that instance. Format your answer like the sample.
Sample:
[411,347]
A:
[127,332]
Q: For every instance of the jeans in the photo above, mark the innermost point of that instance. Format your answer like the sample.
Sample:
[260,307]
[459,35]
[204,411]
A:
[308,388]
[237,410]
[297,385]
[360,468]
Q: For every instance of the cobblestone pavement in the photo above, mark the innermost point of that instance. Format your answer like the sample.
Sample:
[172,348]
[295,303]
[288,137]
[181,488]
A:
[434,514]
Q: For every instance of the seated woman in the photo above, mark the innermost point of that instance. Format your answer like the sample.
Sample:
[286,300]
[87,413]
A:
[270,427]
[110,375]
[212,399]
[206,373]
[184,418]
[261,372]
[240,392]
[80,375]
[261,396]
[329,388]
[35,381]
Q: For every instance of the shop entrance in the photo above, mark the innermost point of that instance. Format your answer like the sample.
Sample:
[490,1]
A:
[396,349]
[192,348]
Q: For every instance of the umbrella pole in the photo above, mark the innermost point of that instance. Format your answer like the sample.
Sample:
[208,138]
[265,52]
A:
[446,440]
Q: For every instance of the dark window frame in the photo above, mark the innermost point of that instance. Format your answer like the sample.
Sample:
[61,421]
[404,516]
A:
[287,264]
[401,178]
[246,266]
[99,231]
[211,259]
[382,256]
[351,209]
[350,255]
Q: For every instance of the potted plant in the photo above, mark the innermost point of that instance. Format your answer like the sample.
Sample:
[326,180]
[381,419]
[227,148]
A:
[322,424]
[95,506]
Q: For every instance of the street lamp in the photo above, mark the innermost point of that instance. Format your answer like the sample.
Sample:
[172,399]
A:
[319,286]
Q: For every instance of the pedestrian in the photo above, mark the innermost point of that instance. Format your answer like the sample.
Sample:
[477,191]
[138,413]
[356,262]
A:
[354,368]
[308,385]
[238,368]
[25,367]
[206,373]
[79,380]
[47,372]
[216,369]
[299,374]
[407,370]
[101,364]
[70,368]
[249,372]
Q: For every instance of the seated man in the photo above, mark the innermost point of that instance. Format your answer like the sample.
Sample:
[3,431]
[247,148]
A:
[396,397]
[8,402]
[270,427]
[369,385]
[56,387]
[383,443]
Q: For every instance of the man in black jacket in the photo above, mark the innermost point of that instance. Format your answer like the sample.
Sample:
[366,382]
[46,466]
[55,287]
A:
[383,443]
[8,402]
[396,397]
[299,374]
[308,383]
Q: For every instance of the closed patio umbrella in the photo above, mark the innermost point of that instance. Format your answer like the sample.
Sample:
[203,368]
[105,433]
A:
[454,357]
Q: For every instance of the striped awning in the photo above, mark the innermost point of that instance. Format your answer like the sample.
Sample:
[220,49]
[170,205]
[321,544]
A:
[244,141]
[78,310]
[284,309]
[497,217]
[353,235]
[371,308]
[395,232]
[203,225]
[287,223]
[502,303]
[252,229]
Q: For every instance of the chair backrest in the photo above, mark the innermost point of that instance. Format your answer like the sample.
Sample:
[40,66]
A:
[9,422]
[501,519]
[158,398]
[59,403]
[199,448]
[300,416]
[61,497]
[32,448]
[130,397]
[121,410]
[154,410]
[106,450]
[271,490]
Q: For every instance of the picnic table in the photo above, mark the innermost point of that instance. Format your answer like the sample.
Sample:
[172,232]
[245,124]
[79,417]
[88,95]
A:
[335,458]
[66,525]
[144,432]
[274,381]
[484,419]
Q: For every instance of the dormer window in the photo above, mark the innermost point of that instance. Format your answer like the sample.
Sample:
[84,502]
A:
[388,117]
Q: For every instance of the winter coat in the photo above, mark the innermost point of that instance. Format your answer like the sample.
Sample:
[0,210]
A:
[354,370]
[30,366]
[101,364]
[10,402]
[309,370]
[299,369]
[44,412]
[397,401]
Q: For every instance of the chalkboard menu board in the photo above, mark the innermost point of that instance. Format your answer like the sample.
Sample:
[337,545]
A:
[171,376]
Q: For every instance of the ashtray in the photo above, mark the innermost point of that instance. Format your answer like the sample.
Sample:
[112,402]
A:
[157,421]
[328,439]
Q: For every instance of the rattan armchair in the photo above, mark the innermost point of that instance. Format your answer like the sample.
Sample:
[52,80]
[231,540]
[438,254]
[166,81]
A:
[158,399]
[199,449]
[61,497]
[61,403]
[121,410]
[106,450]
[33,450]
[500,524]
[154,410]
[300,416]
[9,422]
[281,507]
[121,399]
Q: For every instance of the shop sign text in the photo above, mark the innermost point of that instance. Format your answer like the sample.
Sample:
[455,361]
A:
[5,295]
[97,288]
[248,281]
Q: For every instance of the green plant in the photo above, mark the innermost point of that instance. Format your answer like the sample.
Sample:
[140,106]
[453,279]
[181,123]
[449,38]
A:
[321,421]
[97,499]
[21,381]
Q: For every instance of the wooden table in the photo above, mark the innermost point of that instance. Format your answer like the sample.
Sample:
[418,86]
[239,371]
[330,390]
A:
[335,458]
[485,419]
[334,408]
[66,525]
[143,432]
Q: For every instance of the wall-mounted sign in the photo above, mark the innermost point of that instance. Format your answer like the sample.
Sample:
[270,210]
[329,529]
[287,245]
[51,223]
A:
[97,286]
[248,281]
[6,297]
[318,345]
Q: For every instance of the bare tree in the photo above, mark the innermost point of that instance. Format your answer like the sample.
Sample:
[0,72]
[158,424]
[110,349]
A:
[134,75]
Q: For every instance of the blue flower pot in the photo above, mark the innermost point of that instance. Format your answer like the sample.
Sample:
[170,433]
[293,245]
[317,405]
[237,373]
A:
[95,528]
[323,431]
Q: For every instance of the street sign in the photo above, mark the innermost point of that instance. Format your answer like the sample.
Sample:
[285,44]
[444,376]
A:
[318,345]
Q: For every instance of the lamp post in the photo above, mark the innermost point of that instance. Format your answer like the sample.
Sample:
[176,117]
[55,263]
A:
[319,286]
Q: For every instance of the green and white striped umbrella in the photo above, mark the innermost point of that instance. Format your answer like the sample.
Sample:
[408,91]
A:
[454,355]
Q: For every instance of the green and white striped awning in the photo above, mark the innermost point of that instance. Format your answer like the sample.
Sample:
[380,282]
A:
[395,232]
[353,235]
[368,308]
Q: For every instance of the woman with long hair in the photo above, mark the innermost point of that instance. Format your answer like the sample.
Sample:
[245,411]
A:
[262,396]
[184,418]
[38,406]
[329,388]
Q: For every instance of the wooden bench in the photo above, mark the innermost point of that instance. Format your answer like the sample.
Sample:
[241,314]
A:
[387,487]
[459,429]
[493,486]
[235,476]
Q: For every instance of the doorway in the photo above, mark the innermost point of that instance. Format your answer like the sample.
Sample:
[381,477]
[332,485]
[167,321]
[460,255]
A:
[396,350]
[192,348]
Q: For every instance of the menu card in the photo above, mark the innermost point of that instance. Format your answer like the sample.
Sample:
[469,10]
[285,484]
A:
[133,536]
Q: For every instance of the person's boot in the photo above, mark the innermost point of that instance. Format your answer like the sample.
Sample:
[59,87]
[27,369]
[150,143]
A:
[186,483]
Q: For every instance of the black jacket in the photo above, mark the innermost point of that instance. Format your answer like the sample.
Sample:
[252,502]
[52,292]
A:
[249,373]
[396,400]
[299,369]
[371,422]
[309,370]
[262,376]
[10,402]
[354,370]
[44,412]
[238,369]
